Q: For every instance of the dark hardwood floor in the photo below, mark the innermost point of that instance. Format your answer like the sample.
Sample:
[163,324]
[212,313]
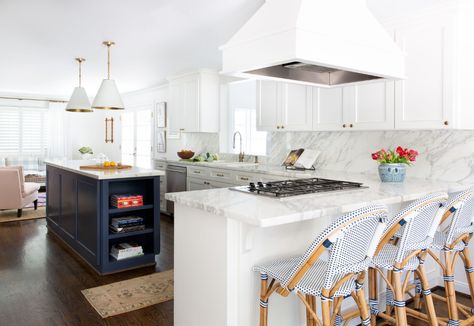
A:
[41,281]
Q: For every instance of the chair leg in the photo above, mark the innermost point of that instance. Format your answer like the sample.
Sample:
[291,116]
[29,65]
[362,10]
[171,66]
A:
[448,278]
[362,305]
[466,257]
[418,290]
[427,295]
[36,204]
[373,296]
[263,300]
[389,295]
[309,317]
[326,308]
[399,300]
[19,213]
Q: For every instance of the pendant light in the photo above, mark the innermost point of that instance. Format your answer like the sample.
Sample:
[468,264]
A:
[79,102]
[108,96]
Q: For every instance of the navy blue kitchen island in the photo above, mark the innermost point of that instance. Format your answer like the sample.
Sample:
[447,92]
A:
[79,212]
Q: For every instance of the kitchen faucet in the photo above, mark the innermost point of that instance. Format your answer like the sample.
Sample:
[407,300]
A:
[241,154]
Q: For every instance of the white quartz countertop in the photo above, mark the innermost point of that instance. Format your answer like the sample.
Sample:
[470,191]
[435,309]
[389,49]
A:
[264,211]
[74,166]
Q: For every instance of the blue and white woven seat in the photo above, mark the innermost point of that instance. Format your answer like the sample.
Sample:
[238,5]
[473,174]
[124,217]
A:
[349,242]
[452,240]
[407,237]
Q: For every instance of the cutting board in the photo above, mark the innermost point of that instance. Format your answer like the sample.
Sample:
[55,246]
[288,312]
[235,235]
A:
[98,167]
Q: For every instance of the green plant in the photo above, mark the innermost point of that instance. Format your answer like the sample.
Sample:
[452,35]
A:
[86,150]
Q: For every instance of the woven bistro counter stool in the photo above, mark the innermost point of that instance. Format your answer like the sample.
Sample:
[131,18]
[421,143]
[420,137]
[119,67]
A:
[403,249]
[451,241]
[350,242]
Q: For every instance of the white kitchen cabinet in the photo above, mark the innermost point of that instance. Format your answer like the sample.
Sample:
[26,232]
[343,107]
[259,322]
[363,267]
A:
[362,107]
[283,106]
[193,104]
[197,184]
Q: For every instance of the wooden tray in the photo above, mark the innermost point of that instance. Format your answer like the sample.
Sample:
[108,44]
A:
[98,167]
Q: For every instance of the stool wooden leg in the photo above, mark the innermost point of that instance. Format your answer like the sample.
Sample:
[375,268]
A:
[389,307]
[417,297]
[448,277]
[427,295]
[373,295]
[399,299]
[309,317]
[263,300]
[466,257]
[362,305]
[326,308]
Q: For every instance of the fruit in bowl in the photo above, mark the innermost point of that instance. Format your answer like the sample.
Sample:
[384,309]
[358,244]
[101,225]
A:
[185,154]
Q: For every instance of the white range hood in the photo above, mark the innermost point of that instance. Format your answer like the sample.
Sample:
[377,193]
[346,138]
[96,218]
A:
[322,42]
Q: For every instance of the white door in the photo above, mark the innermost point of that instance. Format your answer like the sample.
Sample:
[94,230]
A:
[190,111]
[175,107]
[136,143]
[268,106]
[370,106]
[328,108]
[425,99]
[296,111]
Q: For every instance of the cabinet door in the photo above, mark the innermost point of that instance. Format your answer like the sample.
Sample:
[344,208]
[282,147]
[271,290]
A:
[218,184]
[197,184]
[328,108]
[175,107]
[425,99]
[296,111]
[190,114]
[370,106]
[268,106]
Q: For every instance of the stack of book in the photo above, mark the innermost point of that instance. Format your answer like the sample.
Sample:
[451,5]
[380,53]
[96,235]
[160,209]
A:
[126,250]
[126,200]
[126,224]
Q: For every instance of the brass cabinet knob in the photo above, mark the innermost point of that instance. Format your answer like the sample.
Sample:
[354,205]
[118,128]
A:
[282,127]
[351,125]
[446,123]
[278,127]
[344,125]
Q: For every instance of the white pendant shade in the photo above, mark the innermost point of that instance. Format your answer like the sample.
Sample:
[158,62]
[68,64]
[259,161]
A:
[79,102]
[108,97]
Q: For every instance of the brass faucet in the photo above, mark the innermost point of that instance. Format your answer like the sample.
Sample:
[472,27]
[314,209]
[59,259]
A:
[241,154]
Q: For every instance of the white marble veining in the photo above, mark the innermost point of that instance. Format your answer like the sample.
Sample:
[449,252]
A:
[445,155]
[74,166]
[264,212]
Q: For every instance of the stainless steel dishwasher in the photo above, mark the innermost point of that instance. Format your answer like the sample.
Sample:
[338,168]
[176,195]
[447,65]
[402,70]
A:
[176,182]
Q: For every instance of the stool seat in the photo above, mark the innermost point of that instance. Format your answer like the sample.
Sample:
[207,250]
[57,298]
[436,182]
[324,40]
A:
[387,256]
[313,281]
[439,242]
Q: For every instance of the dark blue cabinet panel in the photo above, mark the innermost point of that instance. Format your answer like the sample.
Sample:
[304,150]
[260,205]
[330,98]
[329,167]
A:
[53,186]
[88,201]
[68,204]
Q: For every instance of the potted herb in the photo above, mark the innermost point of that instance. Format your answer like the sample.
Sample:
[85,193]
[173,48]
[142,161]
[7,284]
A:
[393,163]
[86,152]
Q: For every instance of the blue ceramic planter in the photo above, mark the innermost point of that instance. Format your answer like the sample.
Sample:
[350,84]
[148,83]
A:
[393,172]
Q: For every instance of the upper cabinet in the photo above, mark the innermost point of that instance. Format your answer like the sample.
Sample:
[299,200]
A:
[193,104]
[283,106]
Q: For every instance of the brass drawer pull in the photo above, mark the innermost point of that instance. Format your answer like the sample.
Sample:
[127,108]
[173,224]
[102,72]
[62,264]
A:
[197,172]
[220,175]
[244,178]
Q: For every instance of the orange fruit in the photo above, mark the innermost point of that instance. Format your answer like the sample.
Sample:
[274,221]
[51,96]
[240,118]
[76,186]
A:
[106,164]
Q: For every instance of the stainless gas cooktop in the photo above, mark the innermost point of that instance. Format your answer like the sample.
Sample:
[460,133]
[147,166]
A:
[297,187]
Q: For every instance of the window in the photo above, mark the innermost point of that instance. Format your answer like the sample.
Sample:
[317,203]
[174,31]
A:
[23,131]
[243,118]
[136,138]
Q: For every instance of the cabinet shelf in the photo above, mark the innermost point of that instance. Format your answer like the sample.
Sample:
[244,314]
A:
[129,234]
[129,209]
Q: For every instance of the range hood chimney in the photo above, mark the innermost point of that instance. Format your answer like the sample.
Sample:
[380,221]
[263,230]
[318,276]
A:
[319,42]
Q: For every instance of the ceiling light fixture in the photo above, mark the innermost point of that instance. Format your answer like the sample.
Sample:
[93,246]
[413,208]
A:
[79,102]
[108,96]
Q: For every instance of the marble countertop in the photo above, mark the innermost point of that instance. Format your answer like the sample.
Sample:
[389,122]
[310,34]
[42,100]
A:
[73,166]
[265,212]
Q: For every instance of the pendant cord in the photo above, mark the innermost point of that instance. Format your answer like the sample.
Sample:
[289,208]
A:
[108,61]
[80,73]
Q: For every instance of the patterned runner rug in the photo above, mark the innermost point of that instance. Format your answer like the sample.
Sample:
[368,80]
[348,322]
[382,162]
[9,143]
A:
[9,215]
[120,297]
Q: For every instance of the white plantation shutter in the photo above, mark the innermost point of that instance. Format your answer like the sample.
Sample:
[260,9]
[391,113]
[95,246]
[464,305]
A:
[23,131]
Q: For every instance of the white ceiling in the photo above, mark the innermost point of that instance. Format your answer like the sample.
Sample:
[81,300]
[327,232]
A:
[155,38]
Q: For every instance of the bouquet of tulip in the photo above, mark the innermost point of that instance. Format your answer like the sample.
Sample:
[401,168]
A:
[393,163]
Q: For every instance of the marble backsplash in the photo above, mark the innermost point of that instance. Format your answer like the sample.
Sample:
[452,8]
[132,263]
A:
[444,154]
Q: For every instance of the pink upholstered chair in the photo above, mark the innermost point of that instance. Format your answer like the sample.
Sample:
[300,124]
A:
[15,193]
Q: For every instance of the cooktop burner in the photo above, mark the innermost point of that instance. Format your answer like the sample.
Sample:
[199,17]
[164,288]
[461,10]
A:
[297,187]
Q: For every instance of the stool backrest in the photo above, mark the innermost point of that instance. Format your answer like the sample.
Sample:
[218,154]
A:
[349,240]
[417,223]
[460,206]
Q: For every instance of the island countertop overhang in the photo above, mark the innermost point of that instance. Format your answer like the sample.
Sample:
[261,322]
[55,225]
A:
[74,166]
[262,211]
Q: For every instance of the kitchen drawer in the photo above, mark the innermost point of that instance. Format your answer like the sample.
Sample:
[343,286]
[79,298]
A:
[244,178]
[221,175]
[198,172]
[160,165]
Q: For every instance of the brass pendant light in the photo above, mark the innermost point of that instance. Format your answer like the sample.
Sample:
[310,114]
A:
[108,96]
[79,102]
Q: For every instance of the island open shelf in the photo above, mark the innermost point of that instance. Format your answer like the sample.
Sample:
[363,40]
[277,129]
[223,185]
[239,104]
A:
[79,213]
